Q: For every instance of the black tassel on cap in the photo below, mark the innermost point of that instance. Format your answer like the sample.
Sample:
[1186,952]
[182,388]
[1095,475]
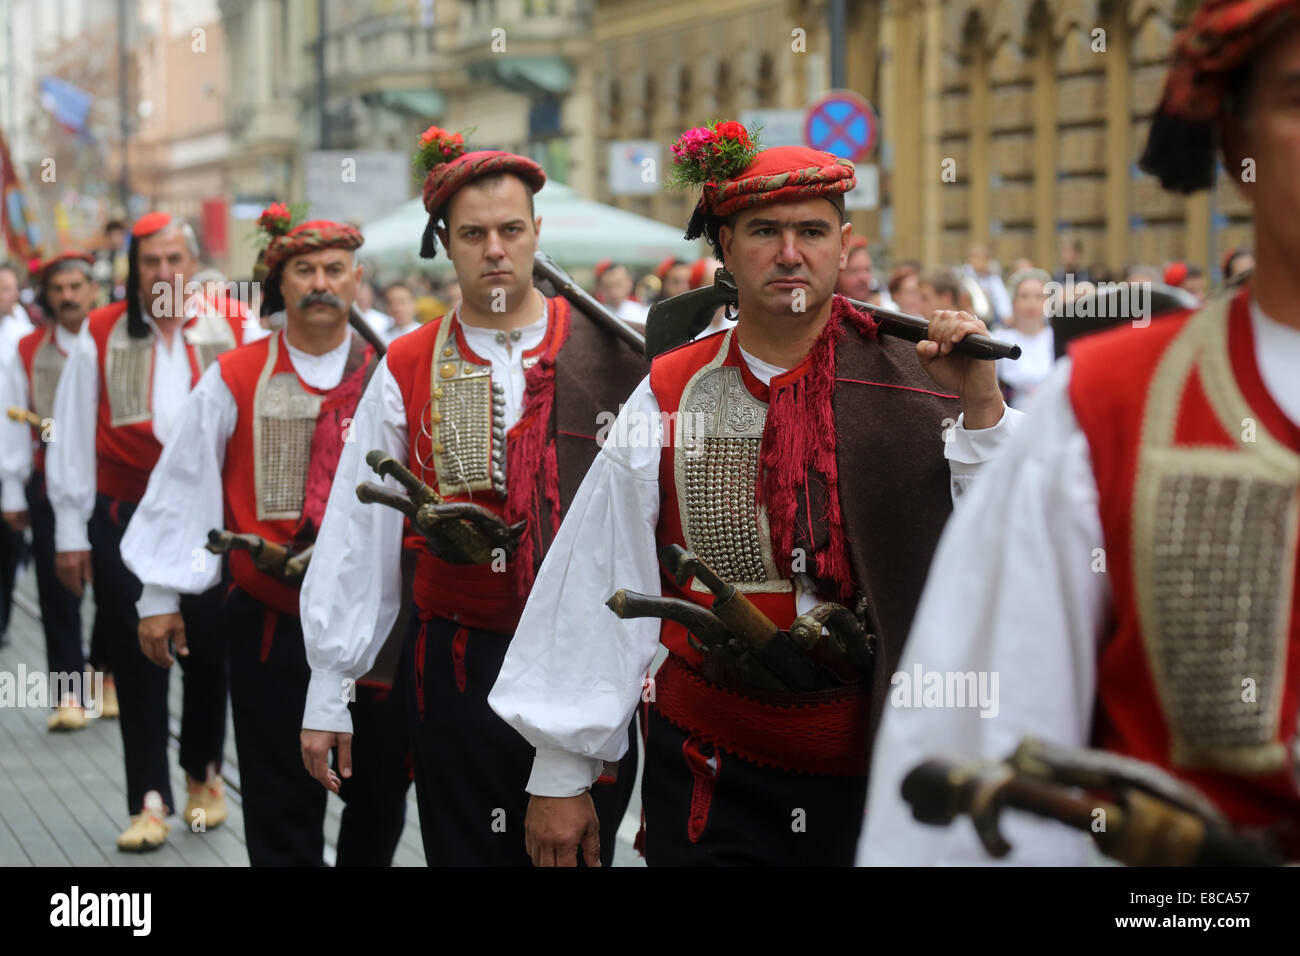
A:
[710,227]
[272,297]
[136,327]
[429,241]
[1180,153]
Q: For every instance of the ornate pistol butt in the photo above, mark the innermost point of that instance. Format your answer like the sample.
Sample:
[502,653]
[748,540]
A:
[269,557]
[458,532]
[1152,819]
[24,417]
[771,646]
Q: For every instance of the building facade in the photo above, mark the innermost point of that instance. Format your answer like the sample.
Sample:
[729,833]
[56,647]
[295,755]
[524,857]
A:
[1005,122]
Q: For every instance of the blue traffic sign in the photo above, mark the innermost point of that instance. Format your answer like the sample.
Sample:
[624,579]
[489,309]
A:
[842,123]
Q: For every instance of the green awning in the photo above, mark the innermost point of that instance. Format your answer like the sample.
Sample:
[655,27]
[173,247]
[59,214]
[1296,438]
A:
[421,104]
[526,74]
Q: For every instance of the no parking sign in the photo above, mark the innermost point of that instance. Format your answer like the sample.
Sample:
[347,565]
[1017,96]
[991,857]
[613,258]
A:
[842,123]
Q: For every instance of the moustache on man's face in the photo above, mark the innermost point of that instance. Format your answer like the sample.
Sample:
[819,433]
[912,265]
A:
[68,306]
[320,298]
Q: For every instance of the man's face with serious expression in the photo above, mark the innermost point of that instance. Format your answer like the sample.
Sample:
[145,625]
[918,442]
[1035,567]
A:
[491,238]
[786,257]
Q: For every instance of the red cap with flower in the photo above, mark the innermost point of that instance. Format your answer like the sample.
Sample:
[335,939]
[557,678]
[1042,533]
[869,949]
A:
[446,166]
[724,158]
[288,240]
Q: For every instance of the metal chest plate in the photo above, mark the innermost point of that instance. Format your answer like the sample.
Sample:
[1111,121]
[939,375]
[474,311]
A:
[47,366]
[284,421]
[716,468]
[209,335]
[128,373]
[1214,564]
[466,422]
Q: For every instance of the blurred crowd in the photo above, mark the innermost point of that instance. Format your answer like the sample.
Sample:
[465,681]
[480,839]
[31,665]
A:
[1015,303]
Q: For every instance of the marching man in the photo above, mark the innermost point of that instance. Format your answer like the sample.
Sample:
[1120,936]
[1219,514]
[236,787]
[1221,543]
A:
[116,404]
[812,467]
[495,406]
[255,451]
[29,382]
[1139,537]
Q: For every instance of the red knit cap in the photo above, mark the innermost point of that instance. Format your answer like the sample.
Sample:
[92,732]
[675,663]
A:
[662,269]
[71,254]
[444,180]
[697,272]
[780,174]
[1223,34]
[1175,273]
[310,237]
[150,223]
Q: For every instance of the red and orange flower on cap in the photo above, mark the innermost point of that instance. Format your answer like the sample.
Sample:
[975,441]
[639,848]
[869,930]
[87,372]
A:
[437,146]
[711,153]
[276,219]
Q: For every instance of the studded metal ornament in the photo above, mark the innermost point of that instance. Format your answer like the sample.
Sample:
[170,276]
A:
[128,374]
[466,422]
[284,420]
[716,467]
[47,366]
[1220,546]
[1214,551]
[210,335]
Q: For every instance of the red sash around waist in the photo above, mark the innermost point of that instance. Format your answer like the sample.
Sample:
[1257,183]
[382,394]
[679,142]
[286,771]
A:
[822,733]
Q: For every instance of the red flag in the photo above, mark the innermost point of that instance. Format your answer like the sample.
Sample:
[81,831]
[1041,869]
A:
[20,233]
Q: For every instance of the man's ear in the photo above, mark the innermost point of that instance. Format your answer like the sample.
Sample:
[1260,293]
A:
[442,237]
[537,227]
[726,235]
[846,231]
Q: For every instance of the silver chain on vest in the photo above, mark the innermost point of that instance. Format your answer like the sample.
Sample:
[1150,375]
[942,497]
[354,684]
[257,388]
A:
[716,468]
[464,422]
[284,421]
[47,366]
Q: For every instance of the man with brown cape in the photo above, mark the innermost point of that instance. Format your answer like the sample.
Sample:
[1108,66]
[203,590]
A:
[495,407]
[802,458]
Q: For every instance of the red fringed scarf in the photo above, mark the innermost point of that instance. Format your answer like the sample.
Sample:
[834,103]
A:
[532,469]
[799,441]
[340,404]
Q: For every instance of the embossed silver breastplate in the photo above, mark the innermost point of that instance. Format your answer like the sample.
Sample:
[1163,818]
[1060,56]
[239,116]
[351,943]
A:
[465,420]
[128,373]
[284,421]
[209,335]
[1214,551]
[47,366]
[128,363]
[715,468]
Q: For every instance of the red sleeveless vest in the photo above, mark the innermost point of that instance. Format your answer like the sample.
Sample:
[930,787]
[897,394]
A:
[278,462]
[1198,473]
[481,596]
[29,346]
[125,446]
[733,488]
